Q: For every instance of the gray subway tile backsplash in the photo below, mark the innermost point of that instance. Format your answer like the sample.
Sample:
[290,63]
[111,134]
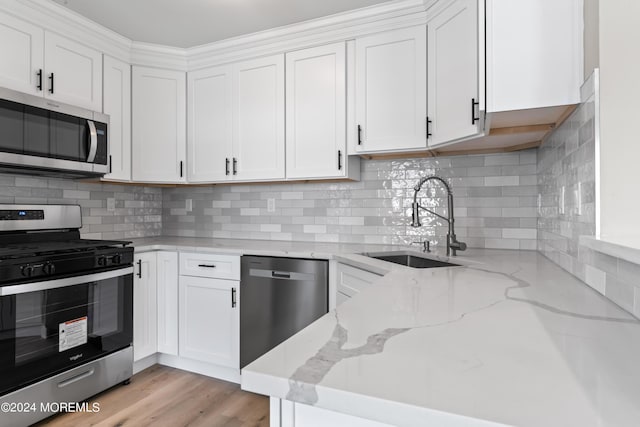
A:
[377,209]
[567,159]
[138,210]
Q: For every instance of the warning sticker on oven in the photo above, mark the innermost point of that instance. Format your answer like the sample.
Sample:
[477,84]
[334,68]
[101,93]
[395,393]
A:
[73,333]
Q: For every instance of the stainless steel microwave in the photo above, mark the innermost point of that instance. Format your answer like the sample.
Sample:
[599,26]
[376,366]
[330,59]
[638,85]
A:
[42,137]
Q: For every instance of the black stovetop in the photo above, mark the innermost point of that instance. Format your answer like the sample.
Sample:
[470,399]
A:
[29,256]
[33,249]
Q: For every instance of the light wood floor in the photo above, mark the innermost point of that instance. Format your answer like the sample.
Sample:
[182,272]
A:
[163,396]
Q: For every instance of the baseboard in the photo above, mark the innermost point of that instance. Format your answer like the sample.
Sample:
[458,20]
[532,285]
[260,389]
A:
[145,363]
[214,371]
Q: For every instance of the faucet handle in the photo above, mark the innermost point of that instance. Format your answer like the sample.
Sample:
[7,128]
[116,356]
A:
[459,246]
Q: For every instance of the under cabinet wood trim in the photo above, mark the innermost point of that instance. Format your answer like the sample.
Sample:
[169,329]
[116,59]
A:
[522,129]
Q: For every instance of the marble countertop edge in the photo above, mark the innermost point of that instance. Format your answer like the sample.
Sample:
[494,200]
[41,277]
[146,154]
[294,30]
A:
[373,408]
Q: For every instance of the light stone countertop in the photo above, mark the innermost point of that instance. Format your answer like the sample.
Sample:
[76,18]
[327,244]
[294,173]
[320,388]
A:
[255,247]
[508,338]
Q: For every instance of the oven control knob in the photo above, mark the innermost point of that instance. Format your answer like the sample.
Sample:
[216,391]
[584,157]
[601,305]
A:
[49,268]
[26,270]
[116,259]
[102,260]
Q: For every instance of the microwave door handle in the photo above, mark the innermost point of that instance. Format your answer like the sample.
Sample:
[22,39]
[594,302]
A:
[93,137]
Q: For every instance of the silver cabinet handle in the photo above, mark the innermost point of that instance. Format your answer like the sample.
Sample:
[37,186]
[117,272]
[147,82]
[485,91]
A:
[93,148]
[233,297]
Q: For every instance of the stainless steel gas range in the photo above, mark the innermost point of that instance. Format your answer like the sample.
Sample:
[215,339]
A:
[66,312]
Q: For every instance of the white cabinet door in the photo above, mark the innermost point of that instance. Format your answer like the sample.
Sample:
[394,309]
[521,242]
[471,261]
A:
[22,53]
[168,302]
[391,90]
[316,112]
[210,125]
[145,335]
[73,72]
[453,73]
[258,119]
[117,104]
[534,53]
[210,320]
[159,125]
[352,280]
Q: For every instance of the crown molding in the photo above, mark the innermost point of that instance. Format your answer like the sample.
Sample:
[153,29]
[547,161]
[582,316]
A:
[158,56]
[338,27]
[67,23]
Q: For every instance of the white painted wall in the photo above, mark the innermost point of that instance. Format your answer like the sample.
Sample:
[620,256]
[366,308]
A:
[620,114]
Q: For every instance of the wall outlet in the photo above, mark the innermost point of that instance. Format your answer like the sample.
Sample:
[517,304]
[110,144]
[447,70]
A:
[271,205]
[188,205]
[111,204]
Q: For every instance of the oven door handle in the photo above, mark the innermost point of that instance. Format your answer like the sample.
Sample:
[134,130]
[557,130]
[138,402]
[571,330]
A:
[77,378]
[62,283]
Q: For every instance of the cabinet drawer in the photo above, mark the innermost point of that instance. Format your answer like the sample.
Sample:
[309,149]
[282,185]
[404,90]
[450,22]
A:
[210,265]
[352,280]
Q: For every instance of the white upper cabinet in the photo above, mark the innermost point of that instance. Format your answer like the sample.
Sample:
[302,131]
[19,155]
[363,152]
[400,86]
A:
[43,63]
[22,53]
[159,125]
[534,53]
[116,100]
[316,112]
[258,119]
[210,113]
[391,90]
[73,72]
[453,104]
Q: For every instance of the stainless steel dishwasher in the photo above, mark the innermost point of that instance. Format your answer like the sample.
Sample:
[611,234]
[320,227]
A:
[279,297]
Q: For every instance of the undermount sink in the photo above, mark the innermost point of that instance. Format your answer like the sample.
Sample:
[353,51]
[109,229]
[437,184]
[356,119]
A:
[410,260]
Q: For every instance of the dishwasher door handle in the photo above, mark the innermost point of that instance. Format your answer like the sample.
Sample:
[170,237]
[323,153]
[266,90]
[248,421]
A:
[280,275]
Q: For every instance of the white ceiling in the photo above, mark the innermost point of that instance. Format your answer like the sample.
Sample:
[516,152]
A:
[188,23]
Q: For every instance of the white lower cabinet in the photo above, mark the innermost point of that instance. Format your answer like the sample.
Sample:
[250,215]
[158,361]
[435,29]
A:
[167,264]
[210,320]
[145,324]
[352,280]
